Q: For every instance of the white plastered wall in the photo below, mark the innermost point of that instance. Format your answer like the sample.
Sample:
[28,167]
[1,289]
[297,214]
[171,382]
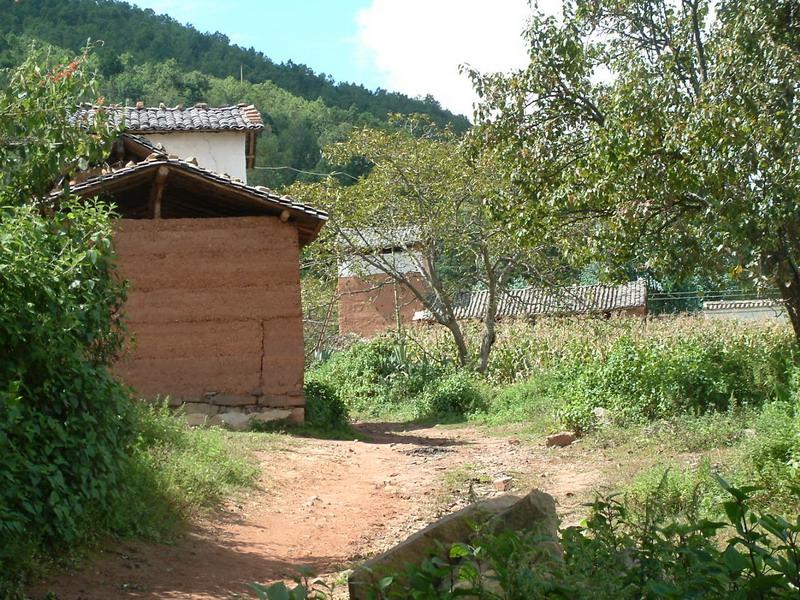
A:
[222,152]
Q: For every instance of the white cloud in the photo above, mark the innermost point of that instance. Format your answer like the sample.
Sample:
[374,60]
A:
[418,44]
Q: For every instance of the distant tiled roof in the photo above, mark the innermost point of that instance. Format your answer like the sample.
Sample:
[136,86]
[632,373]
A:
[200,117]
[743,304]
[380,239]
[571,300]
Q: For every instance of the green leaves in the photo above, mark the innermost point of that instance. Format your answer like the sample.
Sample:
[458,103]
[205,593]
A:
[64,426]
[646,135]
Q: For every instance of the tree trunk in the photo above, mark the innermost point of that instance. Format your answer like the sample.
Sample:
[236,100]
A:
[489,321]
[461,345]
[791,297]
[487,341]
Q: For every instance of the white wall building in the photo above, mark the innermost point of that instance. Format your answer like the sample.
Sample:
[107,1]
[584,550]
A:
[222,139]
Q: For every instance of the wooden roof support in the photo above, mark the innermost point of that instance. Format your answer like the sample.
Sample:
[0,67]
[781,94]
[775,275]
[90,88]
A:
[156,192]
[250,150]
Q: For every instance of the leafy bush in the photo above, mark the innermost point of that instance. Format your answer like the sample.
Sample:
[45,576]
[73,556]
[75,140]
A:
[619,552]
[647,379]
[535,402]
[458,394]
[323,407]
[771,457]
[65,427]
[379,379]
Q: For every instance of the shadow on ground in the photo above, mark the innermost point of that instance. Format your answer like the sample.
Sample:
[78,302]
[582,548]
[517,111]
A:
[190,568]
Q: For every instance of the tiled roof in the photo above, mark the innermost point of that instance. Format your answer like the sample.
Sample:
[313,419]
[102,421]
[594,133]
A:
[532,301]
[259,191]
[380,239]
[743,304]
[200,117]
[310,220]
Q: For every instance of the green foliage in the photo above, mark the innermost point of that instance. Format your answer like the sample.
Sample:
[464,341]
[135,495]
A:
[679,159]
[324,408]
[535,402]
[38,144]
[771,455]
[382,379]
[457,394]
[64,425]
[645,379]
[621,551]
[172,473]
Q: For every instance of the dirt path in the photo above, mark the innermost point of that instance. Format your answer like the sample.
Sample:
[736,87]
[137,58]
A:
[327,504]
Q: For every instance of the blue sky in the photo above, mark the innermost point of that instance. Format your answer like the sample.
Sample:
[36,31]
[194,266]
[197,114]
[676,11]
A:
[410,46]
[319,33]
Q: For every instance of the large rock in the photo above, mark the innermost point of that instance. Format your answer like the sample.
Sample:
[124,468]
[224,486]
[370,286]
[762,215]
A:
[536,511]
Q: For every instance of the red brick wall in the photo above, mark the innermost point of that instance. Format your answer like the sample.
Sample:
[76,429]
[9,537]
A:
[366,309]
[214,308]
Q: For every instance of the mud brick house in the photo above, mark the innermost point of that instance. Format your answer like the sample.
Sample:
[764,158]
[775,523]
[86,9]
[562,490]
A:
[213,263]
[371,302]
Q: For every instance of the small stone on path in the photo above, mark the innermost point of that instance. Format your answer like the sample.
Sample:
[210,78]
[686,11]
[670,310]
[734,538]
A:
[503,484]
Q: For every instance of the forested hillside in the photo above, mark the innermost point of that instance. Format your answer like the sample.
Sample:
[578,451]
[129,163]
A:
[155,59]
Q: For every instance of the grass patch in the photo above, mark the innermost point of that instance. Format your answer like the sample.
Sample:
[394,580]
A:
[172,474]
[176,472]
[457,484]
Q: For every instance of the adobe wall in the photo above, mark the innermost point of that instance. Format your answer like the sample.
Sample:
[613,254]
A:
[214,310]
[367,308]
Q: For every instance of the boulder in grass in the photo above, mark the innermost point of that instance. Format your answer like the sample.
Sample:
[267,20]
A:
[535,511]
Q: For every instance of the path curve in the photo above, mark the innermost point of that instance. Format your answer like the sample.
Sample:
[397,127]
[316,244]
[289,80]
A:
[324,504]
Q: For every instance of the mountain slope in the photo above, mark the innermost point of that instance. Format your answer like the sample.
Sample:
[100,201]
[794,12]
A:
[151,38]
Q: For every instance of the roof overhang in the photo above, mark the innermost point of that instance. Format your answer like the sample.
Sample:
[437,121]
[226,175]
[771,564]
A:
[191,191]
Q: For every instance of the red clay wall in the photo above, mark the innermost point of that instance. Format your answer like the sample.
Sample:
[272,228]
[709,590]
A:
[365,309]
[214,309]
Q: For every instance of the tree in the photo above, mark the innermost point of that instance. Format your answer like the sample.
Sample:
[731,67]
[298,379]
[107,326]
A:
[65,433]
[654,133]
[423,191]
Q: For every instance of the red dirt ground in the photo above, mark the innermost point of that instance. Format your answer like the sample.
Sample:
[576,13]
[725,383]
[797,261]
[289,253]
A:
[326,504]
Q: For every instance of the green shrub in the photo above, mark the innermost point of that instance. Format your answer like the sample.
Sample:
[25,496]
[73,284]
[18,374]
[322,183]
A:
[534,402]
[458,394]
[323,407]
[65,427]
[771,457]
[644,378]
[378,379]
